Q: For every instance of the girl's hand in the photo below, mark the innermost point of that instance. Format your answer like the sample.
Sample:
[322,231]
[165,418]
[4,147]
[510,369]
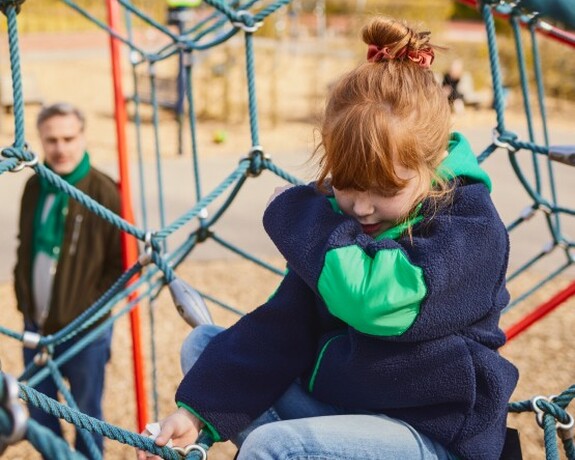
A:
[278,191]
[182,427]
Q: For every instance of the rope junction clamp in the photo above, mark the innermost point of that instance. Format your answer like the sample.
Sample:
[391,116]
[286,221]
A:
[22,163]
[11,405]
[545,208]
[256,157]
[185,451]
[30,339]
[565,430]
[243,24]
[527,213]
[539,413]
[188,58]
[135,57]
[497,139]
[146,257]
[203,233]
[152,69]
[548,247]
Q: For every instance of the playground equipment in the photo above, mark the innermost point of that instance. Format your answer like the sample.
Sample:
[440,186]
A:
[156,267]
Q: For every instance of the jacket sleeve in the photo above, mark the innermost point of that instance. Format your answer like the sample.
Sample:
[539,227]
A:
[247,367]
[372,286]
[379,287]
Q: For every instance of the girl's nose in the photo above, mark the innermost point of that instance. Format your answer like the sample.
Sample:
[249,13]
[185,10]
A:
[363,208]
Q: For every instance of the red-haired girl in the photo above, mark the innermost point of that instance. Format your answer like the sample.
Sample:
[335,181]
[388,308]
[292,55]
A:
[381,342]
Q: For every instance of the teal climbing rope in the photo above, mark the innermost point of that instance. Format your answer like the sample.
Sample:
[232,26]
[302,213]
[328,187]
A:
[157,267]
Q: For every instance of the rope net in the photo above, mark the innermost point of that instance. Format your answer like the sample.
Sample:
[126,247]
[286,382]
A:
[156,267]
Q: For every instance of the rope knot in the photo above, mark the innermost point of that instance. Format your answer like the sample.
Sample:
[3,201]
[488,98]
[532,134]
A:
[546,406]
[6,4]
[151,246]
[12,152]
[257,160]
[9,402]
[505,140]
[23,155]
[246,21]
[203,233]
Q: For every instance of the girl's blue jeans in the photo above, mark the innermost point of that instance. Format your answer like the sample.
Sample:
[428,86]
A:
[299,427]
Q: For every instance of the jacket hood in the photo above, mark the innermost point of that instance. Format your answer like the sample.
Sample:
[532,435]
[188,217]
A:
[461,162]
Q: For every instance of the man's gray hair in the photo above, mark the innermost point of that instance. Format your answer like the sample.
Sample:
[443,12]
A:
[60,109]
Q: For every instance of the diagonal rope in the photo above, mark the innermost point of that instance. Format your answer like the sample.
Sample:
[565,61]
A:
[228,20]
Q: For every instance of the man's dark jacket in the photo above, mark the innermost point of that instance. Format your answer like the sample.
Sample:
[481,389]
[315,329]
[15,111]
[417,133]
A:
[90,257]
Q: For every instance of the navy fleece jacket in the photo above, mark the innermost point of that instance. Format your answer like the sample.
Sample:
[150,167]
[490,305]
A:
[393,325]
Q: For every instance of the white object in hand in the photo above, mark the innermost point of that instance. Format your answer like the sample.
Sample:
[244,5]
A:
[155,429]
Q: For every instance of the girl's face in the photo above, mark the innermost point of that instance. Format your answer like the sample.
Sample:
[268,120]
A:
[376,210]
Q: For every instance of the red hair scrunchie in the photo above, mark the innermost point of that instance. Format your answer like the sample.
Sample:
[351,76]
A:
[423,57]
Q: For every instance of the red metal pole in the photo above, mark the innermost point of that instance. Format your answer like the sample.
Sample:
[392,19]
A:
[541,311]
[129,244]
[544,28]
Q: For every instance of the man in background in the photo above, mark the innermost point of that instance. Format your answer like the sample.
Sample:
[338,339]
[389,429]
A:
[66,259]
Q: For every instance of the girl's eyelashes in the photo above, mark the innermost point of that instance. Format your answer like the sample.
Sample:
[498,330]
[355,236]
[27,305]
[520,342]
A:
[384,193]
[390,193]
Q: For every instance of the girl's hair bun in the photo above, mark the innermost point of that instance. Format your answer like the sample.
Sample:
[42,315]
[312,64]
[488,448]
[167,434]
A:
[392,39]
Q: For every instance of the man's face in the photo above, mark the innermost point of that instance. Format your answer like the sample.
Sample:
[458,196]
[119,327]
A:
[63,141]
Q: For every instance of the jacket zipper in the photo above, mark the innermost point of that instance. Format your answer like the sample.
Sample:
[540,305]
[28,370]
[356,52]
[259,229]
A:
[76,233]
[318,361]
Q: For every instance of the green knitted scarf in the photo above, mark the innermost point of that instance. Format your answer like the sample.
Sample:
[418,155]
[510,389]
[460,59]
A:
[48,235]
